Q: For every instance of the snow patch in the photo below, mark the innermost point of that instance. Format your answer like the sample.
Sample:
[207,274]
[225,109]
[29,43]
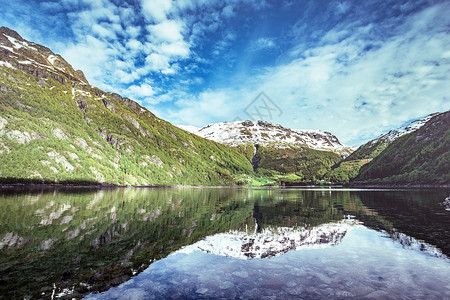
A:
[6,64]
[52,59]
[19,44]
[7,48]
[25,62]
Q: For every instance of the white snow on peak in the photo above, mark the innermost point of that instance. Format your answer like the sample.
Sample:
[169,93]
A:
[394,134]
[272,242]
[19,44]
[263,133]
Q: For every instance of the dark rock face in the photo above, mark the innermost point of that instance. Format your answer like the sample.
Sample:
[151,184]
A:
[9,32]
[36,57]
[111,139]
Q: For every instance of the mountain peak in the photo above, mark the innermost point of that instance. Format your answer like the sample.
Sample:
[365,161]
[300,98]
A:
[412,126]
[263,133]
[9,32]
[18,53]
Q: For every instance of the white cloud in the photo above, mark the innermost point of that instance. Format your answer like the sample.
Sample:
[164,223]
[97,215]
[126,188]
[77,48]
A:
[228,11]
[166,31]
[103,31]
[133,44]
[140,91]
[156,10]
[133,31]
[342,86]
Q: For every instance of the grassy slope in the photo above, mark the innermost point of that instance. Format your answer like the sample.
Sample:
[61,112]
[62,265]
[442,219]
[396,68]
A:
[296,164]
[347,169]
[48,133]
[419,157]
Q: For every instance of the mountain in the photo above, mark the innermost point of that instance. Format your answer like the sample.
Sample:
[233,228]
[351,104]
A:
[419,157]
[264,133]
[56,127]
[349,167]
[275,150]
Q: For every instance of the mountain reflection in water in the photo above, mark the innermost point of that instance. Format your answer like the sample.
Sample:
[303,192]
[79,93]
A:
[67,244]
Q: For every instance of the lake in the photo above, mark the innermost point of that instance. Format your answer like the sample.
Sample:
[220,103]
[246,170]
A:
[224,243]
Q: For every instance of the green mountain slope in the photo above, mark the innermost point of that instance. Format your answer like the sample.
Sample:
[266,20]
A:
[348,169]
[422,156]
[55,127]
[307,164]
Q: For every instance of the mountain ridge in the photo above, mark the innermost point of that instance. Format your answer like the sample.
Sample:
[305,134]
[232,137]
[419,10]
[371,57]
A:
[55,128]
[349,168]
[421,156]
[263,133]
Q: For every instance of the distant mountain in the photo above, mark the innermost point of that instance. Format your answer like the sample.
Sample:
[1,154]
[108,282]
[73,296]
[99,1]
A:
[56,127]
[419,157]
[274,149]
[264,133]
[349,167]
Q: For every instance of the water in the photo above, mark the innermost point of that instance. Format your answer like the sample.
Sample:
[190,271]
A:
[213,243]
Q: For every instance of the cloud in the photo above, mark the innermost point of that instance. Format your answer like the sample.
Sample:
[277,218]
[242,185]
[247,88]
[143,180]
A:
[167,31]
[354,70]
[262,44]
[140,91]
[349,84]
[156,10]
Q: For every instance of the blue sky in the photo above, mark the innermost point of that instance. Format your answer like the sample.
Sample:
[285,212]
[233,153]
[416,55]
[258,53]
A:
[353,68]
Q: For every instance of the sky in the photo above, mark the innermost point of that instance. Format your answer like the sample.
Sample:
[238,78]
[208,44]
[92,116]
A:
[353,68]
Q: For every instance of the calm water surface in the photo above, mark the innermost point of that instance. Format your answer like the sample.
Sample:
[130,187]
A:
[215,243]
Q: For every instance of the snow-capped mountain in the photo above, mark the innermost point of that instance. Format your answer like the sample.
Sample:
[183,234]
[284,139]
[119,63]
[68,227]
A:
[263,133]
[272,242]
[394,134]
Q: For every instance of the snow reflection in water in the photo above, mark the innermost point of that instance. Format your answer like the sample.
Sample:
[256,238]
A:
[363,264]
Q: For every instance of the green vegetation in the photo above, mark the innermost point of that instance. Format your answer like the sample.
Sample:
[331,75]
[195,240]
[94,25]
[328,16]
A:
[72,132]
[421,157]
[296,165]
[347,169]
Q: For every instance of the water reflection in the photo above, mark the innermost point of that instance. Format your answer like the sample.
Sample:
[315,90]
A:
[69,244]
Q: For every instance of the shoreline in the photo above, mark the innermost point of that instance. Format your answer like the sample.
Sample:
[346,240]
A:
[396,185]
[69,186]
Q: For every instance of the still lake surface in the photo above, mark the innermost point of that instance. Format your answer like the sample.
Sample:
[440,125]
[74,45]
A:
[224,243]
